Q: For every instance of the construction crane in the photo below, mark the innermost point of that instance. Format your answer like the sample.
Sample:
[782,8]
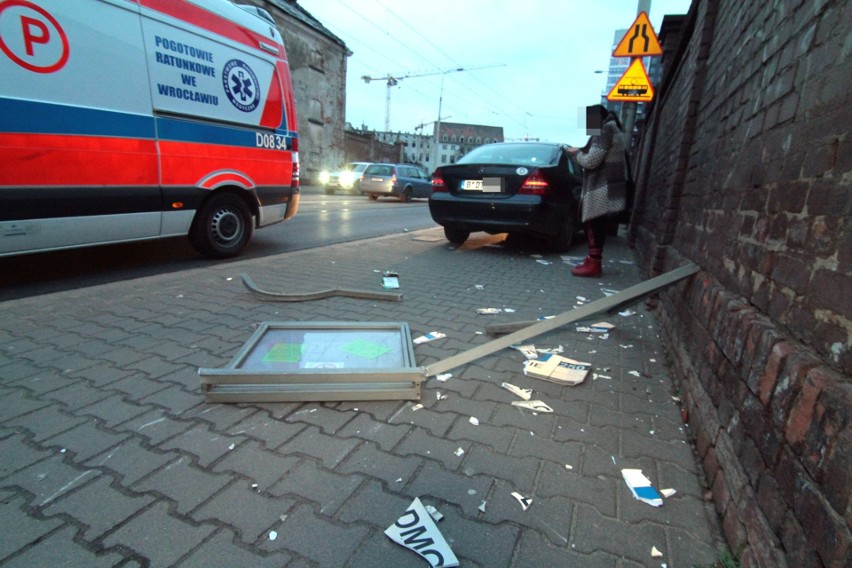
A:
[393,80]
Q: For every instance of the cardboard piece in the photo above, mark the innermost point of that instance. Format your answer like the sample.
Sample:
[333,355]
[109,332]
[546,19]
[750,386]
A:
[416,531]
[525,394]
[558,369]
[524,501]
[534,405]
[641,487]
[431,336]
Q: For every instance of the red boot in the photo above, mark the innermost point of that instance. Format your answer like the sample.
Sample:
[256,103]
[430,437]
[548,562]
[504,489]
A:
[591,267]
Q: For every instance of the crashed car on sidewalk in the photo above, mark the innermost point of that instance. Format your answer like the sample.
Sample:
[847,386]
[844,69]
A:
[526,188]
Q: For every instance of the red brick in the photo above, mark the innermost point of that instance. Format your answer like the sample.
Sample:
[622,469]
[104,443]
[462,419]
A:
[826,530]
[802,413]
[733,529]
[789,384]
[763,542]
[769,377]
[800,554]
[829,289]
[771,501]
[837,480]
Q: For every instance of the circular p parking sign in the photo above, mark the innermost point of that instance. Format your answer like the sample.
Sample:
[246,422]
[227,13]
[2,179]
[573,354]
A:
[31,37]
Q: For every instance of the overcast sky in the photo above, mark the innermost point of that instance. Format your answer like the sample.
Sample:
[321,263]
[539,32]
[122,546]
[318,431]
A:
[537,57]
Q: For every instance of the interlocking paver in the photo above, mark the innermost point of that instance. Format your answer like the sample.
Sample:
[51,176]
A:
[153,475]
[158,536]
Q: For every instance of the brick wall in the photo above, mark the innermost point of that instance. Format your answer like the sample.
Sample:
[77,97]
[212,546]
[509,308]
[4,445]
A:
[745,168]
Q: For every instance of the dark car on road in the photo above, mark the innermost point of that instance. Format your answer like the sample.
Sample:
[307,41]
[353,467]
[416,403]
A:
[404,181]
[527,188]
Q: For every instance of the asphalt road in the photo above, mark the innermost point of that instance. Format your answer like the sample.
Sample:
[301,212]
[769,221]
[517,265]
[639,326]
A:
[321,220]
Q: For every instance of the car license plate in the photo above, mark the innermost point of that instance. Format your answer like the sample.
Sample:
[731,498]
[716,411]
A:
[472,184]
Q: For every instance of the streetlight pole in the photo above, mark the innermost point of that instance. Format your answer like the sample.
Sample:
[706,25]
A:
[629,109]
[436,149]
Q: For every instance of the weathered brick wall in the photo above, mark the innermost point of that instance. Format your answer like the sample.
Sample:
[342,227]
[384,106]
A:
[746,170]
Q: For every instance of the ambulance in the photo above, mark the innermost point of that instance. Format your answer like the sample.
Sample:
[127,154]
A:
[126,120]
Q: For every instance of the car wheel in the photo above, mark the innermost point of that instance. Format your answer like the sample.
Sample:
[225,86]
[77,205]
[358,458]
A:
[406,195]
[561,242]
[222,227]
[456,236]
[373,196]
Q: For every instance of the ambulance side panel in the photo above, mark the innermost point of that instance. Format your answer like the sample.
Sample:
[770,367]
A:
[75,125]
[218,99]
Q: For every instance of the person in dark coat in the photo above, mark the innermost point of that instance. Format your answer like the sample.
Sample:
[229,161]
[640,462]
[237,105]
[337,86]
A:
[604,182]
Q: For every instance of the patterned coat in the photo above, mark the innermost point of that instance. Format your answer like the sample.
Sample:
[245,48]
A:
[604,182]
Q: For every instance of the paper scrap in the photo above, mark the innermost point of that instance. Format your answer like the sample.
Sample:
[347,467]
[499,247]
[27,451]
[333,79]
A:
[627,313]
[416,407]
[473,420]
[459,452]
[608,292]
[667,492]
[524,501]
[544,262]
[552,350]
[529,350]
[431,336]
[634,373]
[416,531]
[525,394]
[558,369]
[479,286]
[534,405]
[273,535]
[641,487]
[390,280]
[444,377]
[656,553]
[488,311]
[482,506]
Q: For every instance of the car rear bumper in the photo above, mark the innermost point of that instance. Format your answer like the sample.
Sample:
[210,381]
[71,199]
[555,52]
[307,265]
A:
[520,213]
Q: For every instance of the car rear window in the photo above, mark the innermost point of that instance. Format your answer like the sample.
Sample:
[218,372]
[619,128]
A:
[376,170]
[513,154]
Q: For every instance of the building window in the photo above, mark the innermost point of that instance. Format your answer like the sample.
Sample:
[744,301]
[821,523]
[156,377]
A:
[444,138]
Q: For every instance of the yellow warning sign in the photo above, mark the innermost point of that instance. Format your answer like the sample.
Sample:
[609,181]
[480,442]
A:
[634,85]
[640,40]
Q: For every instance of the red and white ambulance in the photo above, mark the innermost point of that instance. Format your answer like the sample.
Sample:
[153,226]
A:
[123,120]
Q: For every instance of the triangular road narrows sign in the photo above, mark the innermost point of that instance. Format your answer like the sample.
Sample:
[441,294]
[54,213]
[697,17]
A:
[634,85]
[640,40]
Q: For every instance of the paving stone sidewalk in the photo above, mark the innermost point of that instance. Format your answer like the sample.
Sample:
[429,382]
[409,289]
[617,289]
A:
[111,457]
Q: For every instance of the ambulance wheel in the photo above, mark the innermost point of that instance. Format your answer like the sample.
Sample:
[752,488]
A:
[222,227]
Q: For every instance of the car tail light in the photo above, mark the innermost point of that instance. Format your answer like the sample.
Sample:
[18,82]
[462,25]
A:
[535,184]
[393,179]
[438,182]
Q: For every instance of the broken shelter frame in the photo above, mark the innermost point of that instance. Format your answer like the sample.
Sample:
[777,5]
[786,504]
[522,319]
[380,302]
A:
[239,382]
[310,361]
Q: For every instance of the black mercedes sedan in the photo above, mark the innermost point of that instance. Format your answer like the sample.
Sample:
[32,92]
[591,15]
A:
[527,188]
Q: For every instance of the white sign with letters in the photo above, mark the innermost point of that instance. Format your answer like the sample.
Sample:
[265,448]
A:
[416,531]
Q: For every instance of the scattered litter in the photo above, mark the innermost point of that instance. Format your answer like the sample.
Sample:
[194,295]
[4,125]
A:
[444,377]
[231,447]
[431,336]
[596,376]
[282,518]
[569,466]
[273,535]
[479,287]
[627,313]
[600,327]
[534,405]
[667,492]
[62,451]
[542,318]
[509,310]
[613,460]
[626,261]
[416,531]
[641,487]
[473,420]
[390,280]
[482,506]
[525,394]
[656,553]
[440,396]
[254,485]
[608,292]
[529,351]
[634,373]
[582,298]
[544,262]
[553,350]
[558,369]
[628,346]
[416,407]
[399,480]
[524,501]
[471,491]
[488,311]
[434,513]
[652,360]
[459,452]
[573,260]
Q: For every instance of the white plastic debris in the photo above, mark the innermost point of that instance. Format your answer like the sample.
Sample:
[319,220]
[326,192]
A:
[488,311]
[434,513]
[416,531]
[627,313]
[459,452]
[431,336]
[473,420]
[525,394]
[273,535]
[641,487]
[634,373]
[656,553]
[534,405]
[524,501]
[667,492]
[627,346]
[482,506]
[569,466]
[479,286]
[444,377]
[416,407]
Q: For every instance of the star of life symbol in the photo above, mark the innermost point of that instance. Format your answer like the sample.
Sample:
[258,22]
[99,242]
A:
[240,85]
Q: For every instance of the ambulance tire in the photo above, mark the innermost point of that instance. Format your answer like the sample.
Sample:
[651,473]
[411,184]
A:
[222,226]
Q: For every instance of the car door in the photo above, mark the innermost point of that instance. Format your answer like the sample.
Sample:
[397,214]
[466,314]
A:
[421,184]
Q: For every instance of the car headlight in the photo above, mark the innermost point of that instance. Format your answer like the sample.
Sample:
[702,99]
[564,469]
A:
[347,179]
[324,177]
